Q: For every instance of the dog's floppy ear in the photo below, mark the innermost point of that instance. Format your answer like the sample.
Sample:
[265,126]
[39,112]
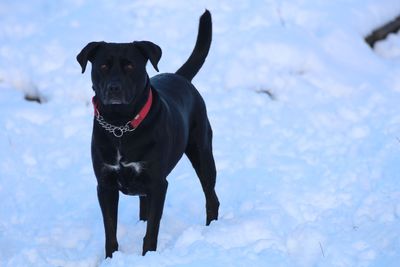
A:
[87,53]
[150,50]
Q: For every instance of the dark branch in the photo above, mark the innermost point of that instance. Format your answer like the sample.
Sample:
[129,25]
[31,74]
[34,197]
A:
[382,32]
[267,92]
[34,98]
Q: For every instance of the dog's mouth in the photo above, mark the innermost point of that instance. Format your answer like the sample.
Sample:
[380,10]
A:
[114,101]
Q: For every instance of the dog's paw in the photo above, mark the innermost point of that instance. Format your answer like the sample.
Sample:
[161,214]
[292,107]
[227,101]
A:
[212,207]
[110,249]
[149,245]
[212,215]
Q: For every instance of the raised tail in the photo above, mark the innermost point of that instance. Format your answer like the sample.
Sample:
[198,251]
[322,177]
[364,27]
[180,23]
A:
[200,51]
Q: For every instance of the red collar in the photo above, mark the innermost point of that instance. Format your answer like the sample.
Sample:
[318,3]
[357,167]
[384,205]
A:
[136,120]
[143,112]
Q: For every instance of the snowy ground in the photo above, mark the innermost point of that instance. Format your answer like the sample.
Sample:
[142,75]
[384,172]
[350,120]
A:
[308,179]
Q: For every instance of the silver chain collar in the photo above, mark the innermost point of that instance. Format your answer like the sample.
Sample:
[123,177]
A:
[117,131]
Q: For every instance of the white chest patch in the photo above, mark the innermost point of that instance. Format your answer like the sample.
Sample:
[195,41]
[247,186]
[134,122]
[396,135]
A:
[136,166]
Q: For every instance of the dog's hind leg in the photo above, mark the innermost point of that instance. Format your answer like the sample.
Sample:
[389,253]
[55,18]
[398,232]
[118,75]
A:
[199,152]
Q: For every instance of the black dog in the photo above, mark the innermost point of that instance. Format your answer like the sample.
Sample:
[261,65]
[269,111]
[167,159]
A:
[143,126]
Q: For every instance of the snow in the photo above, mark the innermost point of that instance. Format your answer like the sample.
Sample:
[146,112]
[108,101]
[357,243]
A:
[308,179]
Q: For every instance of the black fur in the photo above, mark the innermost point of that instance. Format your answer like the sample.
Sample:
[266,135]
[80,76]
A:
[196,60]
[139,162]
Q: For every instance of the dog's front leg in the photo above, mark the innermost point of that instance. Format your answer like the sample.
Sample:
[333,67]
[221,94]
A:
[108,200]
[143,209]
[156,200]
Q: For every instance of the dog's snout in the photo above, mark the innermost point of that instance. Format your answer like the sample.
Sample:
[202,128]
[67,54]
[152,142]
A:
[114,87]
[114,94]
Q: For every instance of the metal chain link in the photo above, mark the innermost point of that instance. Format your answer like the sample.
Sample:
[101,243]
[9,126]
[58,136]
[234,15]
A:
[117,131]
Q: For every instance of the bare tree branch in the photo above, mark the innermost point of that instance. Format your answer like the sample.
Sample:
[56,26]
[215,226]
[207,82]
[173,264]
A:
[382,32]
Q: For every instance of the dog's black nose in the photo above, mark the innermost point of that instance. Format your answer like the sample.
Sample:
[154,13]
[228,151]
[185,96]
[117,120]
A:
[114,87]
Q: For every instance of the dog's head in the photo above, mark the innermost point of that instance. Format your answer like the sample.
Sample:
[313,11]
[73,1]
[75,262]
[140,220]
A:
[119,70]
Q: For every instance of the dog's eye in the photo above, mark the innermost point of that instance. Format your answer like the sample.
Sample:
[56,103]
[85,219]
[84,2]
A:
[128,67]
[104,67]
